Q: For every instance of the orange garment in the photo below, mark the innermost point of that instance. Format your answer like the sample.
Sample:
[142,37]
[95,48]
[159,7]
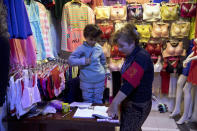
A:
[55,73]
[160,30]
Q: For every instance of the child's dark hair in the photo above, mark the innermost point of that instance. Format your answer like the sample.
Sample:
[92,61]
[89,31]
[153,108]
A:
[128,33]
[92,31]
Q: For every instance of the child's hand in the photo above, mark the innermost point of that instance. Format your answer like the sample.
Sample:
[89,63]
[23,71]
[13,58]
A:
[87,61]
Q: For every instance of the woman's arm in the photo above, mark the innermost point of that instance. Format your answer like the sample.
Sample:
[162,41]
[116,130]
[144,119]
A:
[113,108]
[188,59]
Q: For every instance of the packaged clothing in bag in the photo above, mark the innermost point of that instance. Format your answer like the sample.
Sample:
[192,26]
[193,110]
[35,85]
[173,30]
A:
[118,12]
[102,12]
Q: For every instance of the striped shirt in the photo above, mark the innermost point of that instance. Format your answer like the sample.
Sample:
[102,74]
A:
[74,19]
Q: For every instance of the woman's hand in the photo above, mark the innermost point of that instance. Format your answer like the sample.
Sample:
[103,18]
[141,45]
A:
[185,62]
[113,110]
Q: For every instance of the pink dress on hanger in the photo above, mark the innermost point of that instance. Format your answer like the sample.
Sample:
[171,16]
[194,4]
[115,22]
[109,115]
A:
[193,68]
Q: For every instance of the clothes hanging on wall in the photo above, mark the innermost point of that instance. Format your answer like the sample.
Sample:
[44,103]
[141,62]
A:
[17,19]
[45,28]
[23,51]
[74,19]
[28,87]
[33,13]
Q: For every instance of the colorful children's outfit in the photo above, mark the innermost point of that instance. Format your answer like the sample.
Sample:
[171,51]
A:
[18,22]
[74,19]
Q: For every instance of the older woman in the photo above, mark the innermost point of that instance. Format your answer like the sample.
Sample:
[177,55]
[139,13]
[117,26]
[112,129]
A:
[137,72]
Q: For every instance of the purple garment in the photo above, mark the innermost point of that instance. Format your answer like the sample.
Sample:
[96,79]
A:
[57,104]
[113,2]
[134,12]
[44,88]
[17,19]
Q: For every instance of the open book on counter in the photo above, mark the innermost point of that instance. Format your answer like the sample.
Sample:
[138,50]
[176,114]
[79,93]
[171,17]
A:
[92,112]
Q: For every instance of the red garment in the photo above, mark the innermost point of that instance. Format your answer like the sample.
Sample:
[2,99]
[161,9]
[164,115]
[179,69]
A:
[115,53]
[193,68]
[107,30]
[49,88]
[178,1]
[154,50]
[196,25]
[188,10]
[165,80]
[22,84]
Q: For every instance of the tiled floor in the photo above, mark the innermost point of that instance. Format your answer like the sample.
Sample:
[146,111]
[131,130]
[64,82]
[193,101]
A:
[159,122]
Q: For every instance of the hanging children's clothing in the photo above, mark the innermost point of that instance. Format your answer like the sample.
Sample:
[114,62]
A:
[31,94]
[74,19]
[33,13]
[18,22]
[45,28]
[23,51]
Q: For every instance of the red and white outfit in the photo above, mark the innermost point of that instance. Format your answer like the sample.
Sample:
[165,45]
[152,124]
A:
[193,69]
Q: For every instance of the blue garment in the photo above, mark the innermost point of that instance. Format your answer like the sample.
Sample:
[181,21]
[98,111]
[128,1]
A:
[92,92]
[185,71]
[17,19]
[95,71]
[33,12]
[54,39]
[159,1]
[143,91]
[72,92]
